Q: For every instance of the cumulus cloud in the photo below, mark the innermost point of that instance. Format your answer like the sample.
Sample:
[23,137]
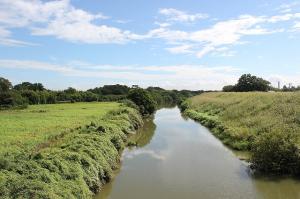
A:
[60,19]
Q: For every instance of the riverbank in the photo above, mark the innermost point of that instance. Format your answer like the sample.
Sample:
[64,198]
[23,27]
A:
[267,124]
[72,164]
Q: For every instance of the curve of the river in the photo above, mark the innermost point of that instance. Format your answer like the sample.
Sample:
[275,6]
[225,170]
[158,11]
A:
[178,158]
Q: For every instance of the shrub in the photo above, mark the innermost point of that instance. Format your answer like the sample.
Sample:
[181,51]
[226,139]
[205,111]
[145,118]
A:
[12,99]
[276,152]
[32,96]
[129,103]
[143,100]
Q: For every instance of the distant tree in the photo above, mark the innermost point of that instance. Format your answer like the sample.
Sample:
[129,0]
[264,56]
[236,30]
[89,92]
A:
[228,88]
[70,90]
[144,100]
[51,97]
[5,85]
[31,96]
[247,82]
[29,86]
[89,96]
[12,99]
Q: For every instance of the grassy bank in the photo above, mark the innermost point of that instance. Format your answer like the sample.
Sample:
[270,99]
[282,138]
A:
[24,129]
[268,124]
[69,153]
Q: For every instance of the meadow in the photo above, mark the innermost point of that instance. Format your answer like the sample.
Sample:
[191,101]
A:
[62,150]
[24,129]
[265,123]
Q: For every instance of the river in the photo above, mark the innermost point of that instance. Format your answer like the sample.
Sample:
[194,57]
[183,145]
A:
[178,158]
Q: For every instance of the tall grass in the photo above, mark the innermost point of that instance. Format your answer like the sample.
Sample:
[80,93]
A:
[248,121]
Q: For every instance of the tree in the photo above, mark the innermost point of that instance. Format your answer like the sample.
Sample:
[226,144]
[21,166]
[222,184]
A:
[12,99]
[143,99]
[70,90]
[89,96]
[31,96]
[29,86]
[5,85]
[247,83]
[228,88]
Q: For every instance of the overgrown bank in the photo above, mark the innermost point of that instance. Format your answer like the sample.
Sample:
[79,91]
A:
[75,165]
[267,124]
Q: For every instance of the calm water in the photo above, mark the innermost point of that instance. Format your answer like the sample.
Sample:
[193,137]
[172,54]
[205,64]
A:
[179,158]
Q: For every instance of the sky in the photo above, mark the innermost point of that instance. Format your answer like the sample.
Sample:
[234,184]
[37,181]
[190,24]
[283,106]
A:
[174,44]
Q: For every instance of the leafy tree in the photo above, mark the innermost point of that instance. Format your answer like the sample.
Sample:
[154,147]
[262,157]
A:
[12,99]
[29,86]
[31,96]
[111,90]
[51,98]
[5,85]
[143,99]
[228,88]
[70,90]
[89,96]
[248,82]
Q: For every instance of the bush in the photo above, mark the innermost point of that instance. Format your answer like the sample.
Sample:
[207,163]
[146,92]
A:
[31,96]
[276,152]
[143,100]
[229,88]
[12,99]
[129,103]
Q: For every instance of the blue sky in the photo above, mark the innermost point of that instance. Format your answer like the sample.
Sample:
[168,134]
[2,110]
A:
[175,44]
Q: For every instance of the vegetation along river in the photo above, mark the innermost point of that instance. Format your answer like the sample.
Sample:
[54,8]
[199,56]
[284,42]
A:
[178,158]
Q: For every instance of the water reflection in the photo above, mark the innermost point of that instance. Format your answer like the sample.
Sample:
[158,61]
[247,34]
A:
[178,158]
[145,134]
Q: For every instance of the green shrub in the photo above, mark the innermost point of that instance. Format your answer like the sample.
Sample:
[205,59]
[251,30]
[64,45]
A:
[143,99]
[276,152]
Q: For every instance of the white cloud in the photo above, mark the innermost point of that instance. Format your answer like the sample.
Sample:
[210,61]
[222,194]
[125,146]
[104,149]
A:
[189,76]
[180,16]
[221,34]
[181,49]
[287,7]
[59,19]
[297,26]
[5,39]
[170,77]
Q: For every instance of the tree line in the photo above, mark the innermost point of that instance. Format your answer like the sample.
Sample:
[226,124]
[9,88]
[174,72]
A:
[26,93]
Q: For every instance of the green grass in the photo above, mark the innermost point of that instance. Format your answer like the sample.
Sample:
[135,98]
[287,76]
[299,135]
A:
[36,124]
[72,165]
[238,118]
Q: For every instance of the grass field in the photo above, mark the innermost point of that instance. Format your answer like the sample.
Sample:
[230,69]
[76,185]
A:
[62,150]
[242,116]
[36,124]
